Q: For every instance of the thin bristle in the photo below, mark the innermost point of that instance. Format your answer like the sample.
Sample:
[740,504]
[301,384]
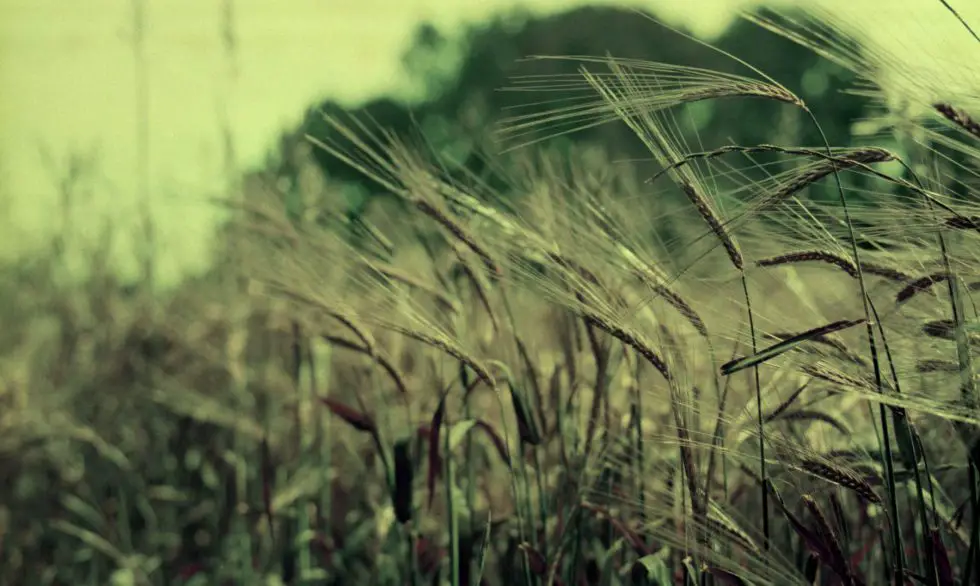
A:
[843,160]
[631,88]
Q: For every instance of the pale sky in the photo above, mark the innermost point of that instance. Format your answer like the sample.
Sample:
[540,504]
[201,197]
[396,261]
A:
[67,73]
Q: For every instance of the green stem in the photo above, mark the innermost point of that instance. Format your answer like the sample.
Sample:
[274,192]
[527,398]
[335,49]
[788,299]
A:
[761,422]
[899,576]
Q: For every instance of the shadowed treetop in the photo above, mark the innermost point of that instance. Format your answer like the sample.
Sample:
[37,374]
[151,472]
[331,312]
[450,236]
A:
[464,81]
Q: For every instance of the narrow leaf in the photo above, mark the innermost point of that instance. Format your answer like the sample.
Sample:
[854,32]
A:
[536,561]
[943,567]
[404,478]
[909,444]
[498,442]
[356,419]
[784,346]
[268,476]
[435,462]
[726,577]
[651,570]
[458,431]
[527,429]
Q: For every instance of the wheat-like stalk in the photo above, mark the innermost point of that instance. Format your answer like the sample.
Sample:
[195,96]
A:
[844,264]
[638,86]
[958,117]
[841,477]
[715,224]
[920,285]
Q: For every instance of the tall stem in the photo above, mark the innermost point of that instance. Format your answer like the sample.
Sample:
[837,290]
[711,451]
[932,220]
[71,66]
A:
[142,80]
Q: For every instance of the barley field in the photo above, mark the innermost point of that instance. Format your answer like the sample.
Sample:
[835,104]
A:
[756,366]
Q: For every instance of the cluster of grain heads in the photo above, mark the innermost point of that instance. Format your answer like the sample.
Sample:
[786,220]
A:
[624,94]
[780,188]
[582,262]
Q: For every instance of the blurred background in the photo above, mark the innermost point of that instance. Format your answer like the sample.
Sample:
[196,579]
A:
[125,119]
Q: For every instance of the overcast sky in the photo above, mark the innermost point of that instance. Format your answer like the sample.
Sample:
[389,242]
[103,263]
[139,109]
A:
[67,73]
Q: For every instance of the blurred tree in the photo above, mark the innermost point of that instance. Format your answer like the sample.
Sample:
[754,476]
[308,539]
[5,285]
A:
[462,80]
